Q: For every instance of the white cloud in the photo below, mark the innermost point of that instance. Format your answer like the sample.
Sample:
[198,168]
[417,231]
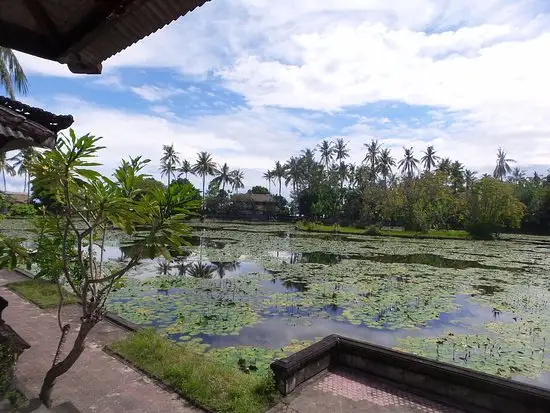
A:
[153,93]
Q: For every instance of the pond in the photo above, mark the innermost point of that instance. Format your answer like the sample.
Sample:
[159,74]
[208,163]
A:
[257,292]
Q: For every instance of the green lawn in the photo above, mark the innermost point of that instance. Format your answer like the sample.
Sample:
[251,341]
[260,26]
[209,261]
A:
[448,234]
[195,374]
[42,293]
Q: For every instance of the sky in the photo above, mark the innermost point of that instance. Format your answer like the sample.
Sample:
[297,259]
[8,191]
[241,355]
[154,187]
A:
[256,81]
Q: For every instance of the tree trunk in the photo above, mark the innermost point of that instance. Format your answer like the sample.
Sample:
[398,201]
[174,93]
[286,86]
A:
[4,177]
[203,194]
[280,184]
[63,366]
[28,188]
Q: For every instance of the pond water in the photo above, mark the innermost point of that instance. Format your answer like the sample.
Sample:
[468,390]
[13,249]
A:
[261,291]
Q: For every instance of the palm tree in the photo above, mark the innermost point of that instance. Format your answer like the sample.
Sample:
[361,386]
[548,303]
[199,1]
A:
[469,178]
[457,176]
[343,174]
[518,175]
[373,151]
[503,167]
[429,160]
[169,162]
[445,166]
[279,174]
[185,168]
[341,151]
[12,76]
[293,172]
[6,168]
[409,164]
[21,165]
[327,153]
[268,176]
[237,177]
[223,177]
[205,166]
[385,162]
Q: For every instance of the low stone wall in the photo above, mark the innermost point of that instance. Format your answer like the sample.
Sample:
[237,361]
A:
[468,389]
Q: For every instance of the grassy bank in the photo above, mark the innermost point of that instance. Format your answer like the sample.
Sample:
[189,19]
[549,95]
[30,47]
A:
[42,293]
[372,231]
[197,376]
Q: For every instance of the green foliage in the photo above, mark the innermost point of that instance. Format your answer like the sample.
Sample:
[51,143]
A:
[21,210]
[200,377]
[44,294]
[493,207]
[258,190]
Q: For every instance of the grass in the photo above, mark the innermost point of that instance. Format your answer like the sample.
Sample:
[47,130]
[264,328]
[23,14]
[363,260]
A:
[440,234]
[42,293]
[197,376]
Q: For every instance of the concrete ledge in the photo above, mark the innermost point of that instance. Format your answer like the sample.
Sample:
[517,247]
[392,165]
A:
[471,390]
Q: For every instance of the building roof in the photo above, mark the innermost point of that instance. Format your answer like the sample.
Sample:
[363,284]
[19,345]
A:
[256,198]
[17,197]
[84,33]
[22,126]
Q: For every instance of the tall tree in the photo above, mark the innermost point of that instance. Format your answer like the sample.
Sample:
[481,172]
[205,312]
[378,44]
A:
[341,150]
[430,159]
[203,167]
[294,172]
[518,175]
[12,76]
[268,176]
[326,150]
[469,178]
[237,179]
[409,164]
[373,152]
[386,162]
[279,174]
[503,167]
[169,162]
[185,168]
[6,168]
[223,177]
[343,174]
[21,165]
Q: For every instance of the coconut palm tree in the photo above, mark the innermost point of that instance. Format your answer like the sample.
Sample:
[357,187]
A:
[203,167]
[185,168]
[279,174]
[326,150]
[341,150]
[518,175]
[12,76]
[373,151]
[469,178]
[237,178]
[169,162]
[503,167]
[268,176]
[6,168]
[294,173]
[223,177]
[385,162]
[445,165]
[409,164]
[21,165]
[429,160]
[343,174]
[457,176]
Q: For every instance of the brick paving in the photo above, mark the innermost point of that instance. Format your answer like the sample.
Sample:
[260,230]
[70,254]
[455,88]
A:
[97,383]
[346,390]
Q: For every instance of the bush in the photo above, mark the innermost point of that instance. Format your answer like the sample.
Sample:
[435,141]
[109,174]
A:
[21,210]
[483,231]
[373,230]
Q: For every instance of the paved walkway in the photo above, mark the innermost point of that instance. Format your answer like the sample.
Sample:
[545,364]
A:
[97,382]
[345,390]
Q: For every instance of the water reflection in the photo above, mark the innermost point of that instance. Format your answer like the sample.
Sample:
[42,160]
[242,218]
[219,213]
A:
[432,260]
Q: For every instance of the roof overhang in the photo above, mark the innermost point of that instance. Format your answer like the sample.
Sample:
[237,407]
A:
[22,126]
[84,33]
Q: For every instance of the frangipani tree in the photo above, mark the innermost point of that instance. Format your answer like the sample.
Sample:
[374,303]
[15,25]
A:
[90,205]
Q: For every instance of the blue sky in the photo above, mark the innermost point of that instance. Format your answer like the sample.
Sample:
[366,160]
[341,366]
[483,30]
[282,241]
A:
[255,81]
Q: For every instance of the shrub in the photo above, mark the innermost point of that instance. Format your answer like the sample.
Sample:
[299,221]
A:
[21,210]
[373,230]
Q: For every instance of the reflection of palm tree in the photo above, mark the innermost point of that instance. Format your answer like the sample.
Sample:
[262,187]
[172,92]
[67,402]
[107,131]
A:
[202,270]
[224,267]
[12,76]
[503,167]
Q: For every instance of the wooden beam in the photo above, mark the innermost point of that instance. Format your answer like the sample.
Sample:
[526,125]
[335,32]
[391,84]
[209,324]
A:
[43,19]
